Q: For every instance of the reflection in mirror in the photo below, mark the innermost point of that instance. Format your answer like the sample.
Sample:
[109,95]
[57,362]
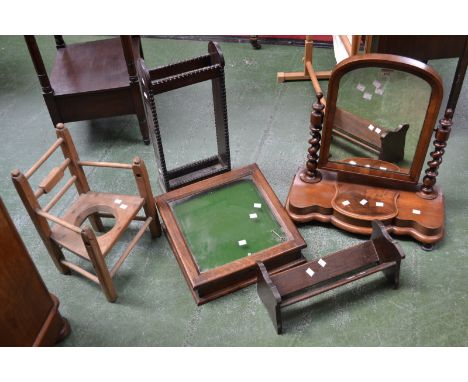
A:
[378,119]
[186,121]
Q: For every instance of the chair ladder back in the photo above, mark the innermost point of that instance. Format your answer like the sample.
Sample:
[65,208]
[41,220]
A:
[69,152]
[52,178]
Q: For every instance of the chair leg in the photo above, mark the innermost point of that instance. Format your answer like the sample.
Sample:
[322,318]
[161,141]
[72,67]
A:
[96,222]
[144,188]
[97,259]
[144,129]
[393,275]
[57,255]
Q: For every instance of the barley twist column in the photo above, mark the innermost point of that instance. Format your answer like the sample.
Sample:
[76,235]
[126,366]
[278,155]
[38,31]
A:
[311,173]
[441,136]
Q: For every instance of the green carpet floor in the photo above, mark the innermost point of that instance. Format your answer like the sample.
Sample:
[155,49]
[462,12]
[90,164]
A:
[268,125]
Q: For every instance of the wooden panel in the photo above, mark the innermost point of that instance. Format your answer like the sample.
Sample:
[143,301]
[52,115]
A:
[90,66]
[237,274]
[76,107]
[297,278]
[420,47]
[25,302]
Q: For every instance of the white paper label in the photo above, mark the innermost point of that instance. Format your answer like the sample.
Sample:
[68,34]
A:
[363,202]
[345,203]
[360,87]
[117,201]
[370,127]
[123,206]
[253,216]
[257,205]
[379,91]
[352,162]
[367,96]
[377,84]
[242,242]
[377,130]
[310,272]
[322,263]
[379,204]
[417,212]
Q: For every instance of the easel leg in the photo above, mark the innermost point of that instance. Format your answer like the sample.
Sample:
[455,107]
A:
[309,73]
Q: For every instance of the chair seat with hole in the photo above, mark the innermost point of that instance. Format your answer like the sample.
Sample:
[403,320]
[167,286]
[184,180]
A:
[69,231]
[123,208]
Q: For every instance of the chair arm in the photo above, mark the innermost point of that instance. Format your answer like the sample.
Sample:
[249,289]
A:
[105,164]
[59,221]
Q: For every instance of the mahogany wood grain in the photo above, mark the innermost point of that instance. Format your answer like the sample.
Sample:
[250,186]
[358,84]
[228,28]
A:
[308,202]
[90,80]
[352,193]
[29,314]
[440,143]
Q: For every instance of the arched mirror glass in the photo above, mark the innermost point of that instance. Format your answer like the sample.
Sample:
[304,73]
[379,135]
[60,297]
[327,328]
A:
[378,120]
[381,111]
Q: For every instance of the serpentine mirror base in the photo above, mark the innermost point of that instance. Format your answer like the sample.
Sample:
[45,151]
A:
[352,207]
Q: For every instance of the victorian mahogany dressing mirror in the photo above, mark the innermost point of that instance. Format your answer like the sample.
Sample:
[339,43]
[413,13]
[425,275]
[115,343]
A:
[380,117]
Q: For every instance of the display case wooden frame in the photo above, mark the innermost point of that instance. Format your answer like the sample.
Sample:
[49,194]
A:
[405,206]
[216,282]
[379,254]
[209,67]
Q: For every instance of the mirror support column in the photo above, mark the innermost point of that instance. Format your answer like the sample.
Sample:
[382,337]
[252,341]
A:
[311,174]
[440,143]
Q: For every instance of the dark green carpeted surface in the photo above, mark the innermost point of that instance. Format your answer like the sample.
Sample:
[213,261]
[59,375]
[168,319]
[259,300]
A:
[268,125]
